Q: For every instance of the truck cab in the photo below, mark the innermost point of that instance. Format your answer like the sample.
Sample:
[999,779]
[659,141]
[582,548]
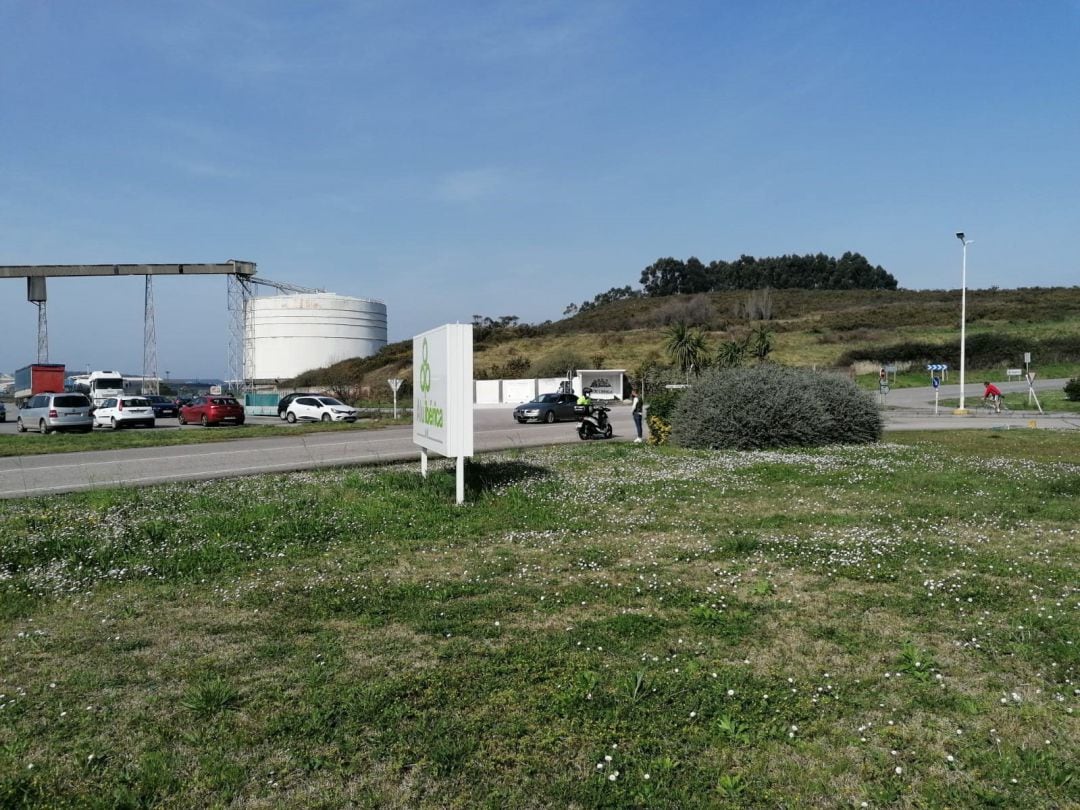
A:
[103,385]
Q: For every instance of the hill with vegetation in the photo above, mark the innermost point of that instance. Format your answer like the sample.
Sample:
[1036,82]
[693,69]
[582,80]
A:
[858,329]
[851,328]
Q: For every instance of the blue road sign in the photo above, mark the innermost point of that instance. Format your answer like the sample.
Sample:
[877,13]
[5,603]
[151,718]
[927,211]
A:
[937,382]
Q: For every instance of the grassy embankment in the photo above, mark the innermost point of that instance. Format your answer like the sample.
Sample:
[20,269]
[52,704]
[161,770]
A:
[600,626]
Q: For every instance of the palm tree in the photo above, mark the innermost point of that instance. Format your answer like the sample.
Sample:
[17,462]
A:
[686,348]
[762,339]
[732,353]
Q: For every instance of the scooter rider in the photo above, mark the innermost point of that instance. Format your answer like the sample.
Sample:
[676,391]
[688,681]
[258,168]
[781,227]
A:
[584,398]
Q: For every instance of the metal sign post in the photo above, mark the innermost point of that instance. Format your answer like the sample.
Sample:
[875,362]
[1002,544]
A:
[937,393]
[1027,370]
[395,384]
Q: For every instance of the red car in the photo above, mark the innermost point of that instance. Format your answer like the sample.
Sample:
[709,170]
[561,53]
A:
[211,410]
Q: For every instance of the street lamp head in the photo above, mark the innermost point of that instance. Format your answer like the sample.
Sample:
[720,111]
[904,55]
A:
[960,235]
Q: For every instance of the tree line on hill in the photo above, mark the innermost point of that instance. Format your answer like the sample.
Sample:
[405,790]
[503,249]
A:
[670,276]
[851,271]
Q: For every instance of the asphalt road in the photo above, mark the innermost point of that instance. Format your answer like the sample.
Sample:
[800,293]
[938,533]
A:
[495,429]
[913,409]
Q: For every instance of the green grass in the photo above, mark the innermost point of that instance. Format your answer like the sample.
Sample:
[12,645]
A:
[30,444]
[599,626]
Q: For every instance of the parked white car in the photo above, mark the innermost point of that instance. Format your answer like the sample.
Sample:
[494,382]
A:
[320,409]
[118,412]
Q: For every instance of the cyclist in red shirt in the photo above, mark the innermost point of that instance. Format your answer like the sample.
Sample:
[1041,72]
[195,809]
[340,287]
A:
[994,392]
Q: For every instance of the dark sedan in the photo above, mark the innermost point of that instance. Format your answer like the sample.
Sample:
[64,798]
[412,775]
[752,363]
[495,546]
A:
[163,406]
[547,408]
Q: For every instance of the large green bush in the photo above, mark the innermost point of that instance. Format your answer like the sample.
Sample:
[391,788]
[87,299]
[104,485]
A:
[1072,390]
[663,401]
[774,406]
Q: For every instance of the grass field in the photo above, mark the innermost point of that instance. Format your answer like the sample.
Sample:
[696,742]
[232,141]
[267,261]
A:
[600,626]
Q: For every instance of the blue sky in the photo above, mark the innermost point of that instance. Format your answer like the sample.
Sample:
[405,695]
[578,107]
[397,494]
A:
[510,158]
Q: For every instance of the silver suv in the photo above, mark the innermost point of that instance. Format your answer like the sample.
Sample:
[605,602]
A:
[48,412]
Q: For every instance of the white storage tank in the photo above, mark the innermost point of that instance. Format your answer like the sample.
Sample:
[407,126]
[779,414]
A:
[291,334]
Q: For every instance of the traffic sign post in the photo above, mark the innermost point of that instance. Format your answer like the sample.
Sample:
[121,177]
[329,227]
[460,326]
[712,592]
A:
[395,384]
[1027,372]
[937,393]
[1031,390]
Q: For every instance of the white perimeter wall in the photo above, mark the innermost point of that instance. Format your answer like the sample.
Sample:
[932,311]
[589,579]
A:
[513,392]
[488,392]
[518,391]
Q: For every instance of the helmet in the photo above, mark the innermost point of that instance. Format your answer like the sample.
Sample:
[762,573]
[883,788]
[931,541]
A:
[586,391]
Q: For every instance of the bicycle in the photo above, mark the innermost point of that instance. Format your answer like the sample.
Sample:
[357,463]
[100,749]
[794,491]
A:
[989,406]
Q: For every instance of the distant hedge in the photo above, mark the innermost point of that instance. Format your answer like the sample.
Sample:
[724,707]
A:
[771,406]
[984,349]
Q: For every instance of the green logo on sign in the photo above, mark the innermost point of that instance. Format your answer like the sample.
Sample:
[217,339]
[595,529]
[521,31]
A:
[425,369]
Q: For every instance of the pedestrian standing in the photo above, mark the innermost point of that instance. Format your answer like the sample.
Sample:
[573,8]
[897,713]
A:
[635,410]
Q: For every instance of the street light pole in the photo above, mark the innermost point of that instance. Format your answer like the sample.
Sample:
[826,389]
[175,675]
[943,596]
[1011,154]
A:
[963,317]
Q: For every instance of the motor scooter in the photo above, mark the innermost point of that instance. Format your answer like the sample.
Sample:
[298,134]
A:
[594,423]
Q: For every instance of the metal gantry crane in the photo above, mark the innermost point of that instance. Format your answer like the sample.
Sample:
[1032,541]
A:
[239,272]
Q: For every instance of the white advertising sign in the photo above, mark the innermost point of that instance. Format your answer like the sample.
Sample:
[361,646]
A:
[605,384]
[442,390]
